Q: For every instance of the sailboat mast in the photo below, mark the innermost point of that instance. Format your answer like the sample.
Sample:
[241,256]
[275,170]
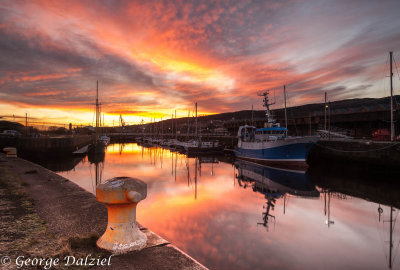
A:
[188,123]
[196,118]
[172,126]
[97,110]
[176,127]
[391,99]
[252,115]
[325,107]
[284,93]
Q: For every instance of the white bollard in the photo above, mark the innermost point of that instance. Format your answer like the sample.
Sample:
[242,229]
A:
[121,195]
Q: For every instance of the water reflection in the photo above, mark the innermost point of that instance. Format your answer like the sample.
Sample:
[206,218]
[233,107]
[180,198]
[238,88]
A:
[274,184]
[219,211]
[372,185]
[97,159]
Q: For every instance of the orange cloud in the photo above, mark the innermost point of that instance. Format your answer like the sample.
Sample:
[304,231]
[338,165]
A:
[154,58]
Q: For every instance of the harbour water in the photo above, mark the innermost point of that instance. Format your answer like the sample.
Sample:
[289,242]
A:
[235,215]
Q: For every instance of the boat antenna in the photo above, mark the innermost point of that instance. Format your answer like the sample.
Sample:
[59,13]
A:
[267,103]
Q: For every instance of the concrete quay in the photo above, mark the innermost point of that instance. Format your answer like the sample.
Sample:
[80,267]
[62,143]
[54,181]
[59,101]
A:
[51,146]
[45,215]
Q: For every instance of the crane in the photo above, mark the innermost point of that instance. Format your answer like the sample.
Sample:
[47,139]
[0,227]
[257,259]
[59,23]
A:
[121,121]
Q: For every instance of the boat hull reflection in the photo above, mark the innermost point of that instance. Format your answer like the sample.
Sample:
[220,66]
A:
[270,180]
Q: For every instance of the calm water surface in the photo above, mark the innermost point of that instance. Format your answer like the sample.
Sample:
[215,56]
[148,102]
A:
[246,216]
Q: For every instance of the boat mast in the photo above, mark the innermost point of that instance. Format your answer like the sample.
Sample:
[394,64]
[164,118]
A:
[188,123]
[391,99]
[284,93]
[97,110]
[176,127]
[325,107]
[196,118]
[252,115]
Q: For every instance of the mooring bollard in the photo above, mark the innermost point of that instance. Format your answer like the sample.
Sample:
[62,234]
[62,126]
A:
[10,151]
[121,195]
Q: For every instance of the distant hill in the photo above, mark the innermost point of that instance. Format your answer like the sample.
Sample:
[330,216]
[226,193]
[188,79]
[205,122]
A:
[356,105]
[7,125]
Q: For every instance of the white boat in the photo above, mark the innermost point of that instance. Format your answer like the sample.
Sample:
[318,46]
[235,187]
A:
[104,139]
[271,145]
[197,146]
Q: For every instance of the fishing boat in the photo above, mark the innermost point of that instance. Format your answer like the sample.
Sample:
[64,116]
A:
[104,139]
[270,145]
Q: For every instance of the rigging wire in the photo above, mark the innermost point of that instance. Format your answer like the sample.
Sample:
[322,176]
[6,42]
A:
[291,111]
[398,75]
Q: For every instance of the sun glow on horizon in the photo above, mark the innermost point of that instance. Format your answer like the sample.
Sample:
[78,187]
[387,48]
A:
[154,58]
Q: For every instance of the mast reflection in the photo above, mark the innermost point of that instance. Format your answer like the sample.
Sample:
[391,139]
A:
[274,183]
[98,160]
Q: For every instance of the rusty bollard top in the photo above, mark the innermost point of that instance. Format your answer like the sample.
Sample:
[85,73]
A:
[121,196]
[121,190]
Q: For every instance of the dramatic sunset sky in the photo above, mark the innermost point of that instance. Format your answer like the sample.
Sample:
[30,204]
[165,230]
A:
[154,57]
